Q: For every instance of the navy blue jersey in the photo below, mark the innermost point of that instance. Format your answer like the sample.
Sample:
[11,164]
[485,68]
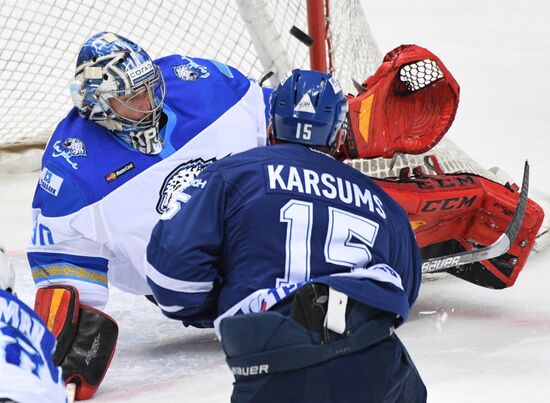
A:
[255,226]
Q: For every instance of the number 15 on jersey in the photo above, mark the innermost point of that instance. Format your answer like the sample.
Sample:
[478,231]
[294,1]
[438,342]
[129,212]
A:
[348,240]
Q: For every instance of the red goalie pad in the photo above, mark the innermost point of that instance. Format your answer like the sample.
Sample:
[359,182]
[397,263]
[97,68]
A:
[409,104]
[455,212]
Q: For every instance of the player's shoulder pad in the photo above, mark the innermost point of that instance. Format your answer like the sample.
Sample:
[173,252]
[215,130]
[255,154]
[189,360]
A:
[234,161]
[61,187]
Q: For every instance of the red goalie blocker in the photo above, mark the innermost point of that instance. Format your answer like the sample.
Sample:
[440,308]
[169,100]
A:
[409,104]
[451,213]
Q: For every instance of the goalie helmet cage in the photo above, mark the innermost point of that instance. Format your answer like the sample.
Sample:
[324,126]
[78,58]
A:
[39,41]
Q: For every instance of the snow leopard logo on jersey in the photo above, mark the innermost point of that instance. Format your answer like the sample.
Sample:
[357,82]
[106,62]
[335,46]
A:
[190,71]
[178,180]
[70,148]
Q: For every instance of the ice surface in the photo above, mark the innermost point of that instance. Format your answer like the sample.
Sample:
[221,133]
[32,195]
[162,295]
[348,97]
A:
[470,344]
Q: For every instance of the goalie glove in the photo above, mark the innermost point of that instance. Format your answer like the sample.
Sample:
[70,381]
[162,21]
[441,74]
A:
[407,106]
[450,213]
[86,337]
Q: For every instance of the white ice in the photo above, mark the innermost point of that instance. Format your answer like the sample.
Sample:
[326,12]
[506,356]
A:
[470,344]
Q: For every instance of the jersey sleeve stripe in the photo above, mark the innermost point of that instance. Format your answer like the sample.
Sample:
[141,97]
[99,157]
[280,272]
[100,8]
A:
[172,284]
[67,271]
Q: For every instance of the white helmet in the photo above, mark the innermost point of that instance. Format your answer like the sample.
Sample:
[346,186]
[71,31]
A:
[7,274]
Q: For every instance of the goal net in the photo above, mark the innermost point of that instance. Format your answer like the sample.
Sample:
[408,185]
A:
[40,39]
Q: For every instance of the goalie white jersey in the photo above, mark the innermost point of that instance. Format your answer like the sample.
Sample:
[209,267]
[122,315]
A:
[97,199]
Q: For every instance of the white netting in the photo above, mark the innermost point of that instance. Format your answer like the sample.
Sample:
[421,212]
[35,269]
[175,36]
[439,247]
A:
[39,42]
[40,39]
[450,157]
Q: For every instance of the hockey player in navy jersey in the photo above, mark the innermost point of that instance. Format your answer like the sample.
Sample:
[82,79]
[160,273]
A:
[140,131]
[302,264]
[27,371]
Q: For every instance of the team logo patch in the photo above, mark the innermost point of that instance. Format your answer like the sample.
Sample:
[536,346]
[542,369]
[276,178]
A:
[119,172]
[190,71]
[178,180]
[68,149]
[50,182]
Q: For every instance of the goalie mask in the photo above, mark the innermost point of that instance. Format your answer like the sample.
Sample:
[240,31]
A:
[308,107]
[118,86]
[7,274]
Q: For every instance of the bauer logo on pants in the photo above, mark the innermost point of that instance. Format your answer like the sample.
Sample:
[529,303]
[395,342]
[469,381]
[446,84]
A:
[50,182]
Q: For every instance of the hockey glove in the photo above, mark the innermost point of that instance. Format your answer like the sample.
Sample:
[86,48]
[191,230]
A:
[86,337]
[407,106]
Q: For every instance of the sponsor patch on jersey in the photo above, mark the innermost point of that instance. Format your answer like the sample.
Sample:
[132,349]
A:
[190,70]
[119,172]
[178,180]
[50,182]
[68,149]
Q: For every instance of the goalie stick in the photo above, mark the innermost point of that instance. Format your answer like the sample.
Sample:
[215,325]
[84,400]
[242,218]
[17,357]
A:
[497,248]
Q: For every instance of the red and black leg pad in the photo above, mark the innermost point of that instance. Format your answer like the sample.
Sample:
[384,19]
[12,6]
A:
[451,213]
[86,337]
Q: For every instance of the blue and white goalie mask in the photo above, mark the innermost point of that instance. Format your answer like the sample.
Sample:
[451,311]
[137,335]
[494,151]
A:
[118,86]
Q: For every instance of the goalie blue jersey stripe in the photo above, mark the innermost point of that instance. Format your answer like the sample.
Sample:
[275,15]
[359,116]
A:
[55,266]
